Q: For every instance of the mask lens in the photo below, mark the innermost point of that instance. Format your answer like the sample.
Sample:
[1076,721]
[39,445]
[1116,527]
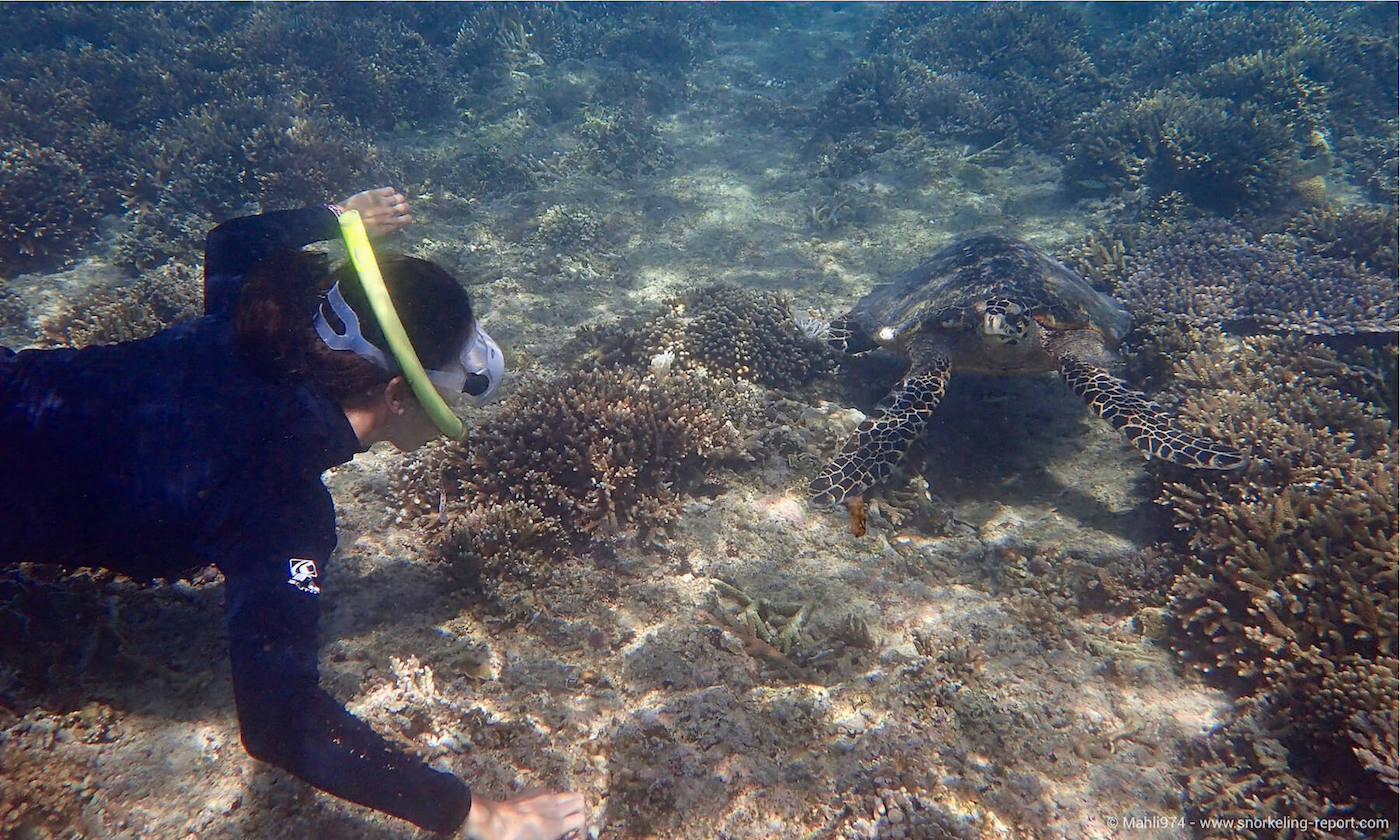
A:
[456,400]
[476,384]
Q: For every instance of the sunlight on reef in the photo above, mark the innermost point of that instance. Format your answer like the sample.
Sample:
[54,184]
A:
[618,583]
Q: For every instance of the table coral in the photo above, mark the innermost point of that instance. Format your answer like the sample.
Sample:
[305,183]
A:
[1215,272]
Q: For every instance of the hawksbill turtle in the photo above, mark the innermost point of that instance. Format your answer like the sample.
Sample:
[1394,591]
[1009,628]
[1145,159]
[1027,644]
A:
[993,304]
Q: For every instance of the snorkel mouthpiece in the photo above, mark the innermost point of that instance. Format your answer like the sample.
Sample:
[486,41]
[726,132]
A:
[352,229]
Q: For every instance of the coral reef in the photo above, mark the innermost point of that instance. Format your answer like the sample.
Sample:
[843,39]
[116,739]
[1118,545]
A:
[596,455]
[1168,46]
[569,229]
[653,145]
[1290,593]
[14,314]
[218,160]
[125,311]
[48,203]
[897,92]
[196,151]
[1215,272]
[1218,153]
[1362,233]
[1242,778]
[721,329]
[1030,60]
[490,545]
[1234,109]
[620,141]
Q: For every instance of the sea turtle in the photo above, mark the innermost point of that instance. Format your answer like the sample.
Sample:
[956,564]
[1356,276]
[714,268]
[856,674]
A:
[992,304]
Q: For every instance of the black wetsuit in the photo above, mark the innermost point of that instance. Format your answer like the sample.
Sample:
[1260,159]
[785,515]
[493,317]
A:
[161,455]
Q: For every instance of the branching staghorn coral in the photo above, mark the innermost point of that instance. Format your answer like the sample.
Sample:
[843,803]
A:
[115,312]
[1243,778]
[594,455]
[1218,153]
[47,200]
[1291,590]
[1362,233]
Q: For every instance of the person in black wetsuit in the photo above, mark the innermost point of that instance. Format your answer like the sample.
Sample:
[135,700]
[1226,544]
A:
[205,444]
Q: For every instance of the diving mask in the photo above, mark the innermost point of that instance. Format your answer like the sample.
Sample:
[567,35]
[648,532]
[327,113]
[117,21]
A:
[475,375]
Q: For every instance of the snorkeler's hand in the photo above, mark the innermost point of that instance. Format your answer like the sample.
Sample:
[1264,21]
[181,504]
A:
[383,210]
[532,816]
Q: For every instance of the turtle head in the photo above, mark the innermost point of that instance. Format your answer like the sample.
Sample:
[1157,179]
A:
[1004,320]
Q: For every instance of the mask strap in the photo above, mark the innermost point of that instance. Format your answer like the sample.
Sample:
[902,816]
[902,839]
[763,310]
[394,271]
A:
[352,339]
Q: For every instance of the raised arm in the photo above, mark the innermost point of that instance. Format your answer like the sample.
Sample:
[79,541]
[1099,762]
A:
[234,246]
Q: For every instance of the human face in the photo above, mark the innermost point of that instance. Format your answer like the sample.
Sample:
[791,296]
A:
[391,412]
[407,425]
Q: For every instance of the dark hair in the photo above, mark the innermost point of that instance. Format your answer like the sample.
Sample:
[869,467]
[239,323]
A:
[273,322]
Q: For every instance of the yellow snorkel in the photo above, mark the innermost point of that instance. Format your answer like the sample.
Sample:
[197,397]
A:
[352,229]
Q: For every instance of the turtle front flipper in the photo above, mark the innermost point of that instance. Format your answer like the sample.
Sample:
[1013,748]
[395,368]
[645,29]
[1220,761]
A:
[878,444]
[1146,424]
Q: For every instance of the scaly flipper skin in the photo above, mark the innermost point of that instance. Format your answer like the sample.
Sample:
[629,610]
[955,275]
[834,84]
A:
[878,444]
[1145,423]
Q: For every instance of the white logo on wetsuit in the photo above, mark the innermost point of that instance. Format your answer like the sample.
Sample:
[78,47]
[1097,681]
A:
[304,576]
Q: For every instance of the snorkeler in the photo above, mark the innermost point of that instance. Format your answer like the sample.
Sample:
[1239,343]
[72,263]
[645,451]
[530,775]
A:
[205,443]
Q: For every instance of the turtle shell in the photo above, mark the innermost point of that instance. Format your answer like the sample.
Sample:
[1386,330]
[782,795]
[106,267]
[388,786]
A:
[944,291]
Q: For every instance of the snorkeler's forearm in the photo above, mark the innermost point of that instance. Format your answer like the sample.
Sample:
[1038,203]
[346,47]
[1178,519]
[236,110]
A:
[325,746]
[286,719]
[236,245]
